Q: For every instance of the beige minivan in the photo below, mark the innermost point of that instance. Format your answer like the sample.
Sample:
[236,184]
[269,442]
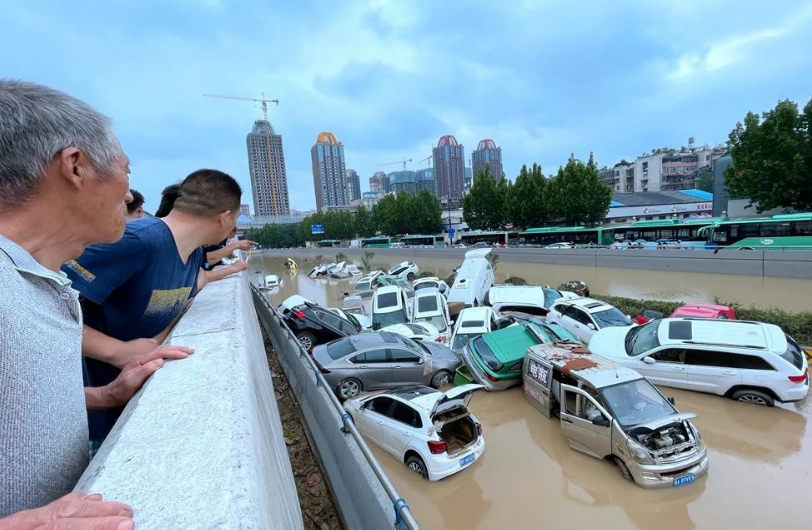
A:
[611,412]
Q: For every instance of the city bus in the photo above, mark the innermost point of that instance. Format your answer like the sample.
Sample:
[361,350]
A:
[328,243]
[473,237]
[684,231]
[423,241]
[579,236]
[377,242]
[779,232]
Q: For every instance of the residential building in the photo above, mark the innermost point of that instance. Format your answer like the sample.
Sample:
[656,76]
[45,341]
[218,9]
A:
[329,172]
[405,180]
[266,165]
[353,185]
[449,167]
[648,172]
[379,182]
[245,209]
[720,194]
[469,177]
[487,154]
[425,180]
[620,177]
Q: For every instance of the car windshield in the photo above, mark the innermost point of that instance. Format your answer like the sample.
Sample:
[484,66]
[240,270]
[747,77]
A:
[793,355]
[381,320]
[486,354]
[438,321]
[611,317]
[642,339]
[387,300]
[423,285]
[636,402]
[353,320]
[362,286]
[340,348]
[550,296]
[461,339]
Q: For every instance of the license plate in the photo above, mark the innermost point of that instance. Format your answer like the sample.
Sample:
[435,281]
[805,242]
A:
[687,479]
[467,460]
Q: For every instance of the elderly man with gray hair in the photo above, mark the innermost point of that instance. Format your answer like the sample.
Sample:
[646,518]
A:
[64,185]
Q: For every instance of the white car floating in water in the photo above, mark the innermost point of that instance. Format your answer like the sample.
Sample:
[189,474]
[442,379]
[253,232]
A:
[430,431]
[405,269]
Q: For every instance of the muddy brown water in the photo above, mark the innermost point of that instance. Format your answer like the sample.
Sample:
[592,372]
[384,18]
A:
[529,478]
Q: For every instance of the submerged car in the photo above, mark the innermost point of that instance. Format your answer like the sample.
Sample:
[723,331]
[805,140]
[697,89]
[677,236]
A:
[751,362]
[406,270]
[585,316]
[613,413]
[313,324]
[415,331]
[390,305]
[495,359]
[530,299]
[429,306]
[429,283]
[430,431]
[473,322]
[376,360]
[696,310]
[366,284]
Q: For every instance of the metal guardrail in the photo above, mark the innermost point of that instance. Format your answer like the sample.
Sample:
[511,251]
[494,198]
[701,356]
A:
[403,515]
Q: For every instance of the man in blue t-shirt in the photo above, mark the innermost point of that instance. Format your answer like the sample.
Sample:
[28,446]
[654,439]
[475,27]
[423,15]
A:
[136,288]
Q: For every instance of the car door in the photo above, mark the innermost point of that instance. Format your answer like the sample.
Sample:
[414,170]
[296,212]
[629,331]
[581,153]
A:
[374,413]
[668,368]
[577,321]
[578,410]
[400,427]
[373,368]
[407,366]
[712,371]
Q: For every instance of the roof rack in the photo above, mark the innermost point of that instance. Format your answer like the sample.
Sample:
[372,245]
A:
[727,344]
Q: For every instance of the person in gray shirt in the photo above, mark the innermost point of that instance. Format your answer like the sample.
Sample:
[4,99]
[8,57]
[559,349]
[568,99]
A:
[64,185]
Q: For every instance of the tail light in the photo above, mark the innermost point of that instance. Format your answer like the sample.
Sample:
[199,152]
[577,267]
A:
[321,368]
[798,378]
[437,448]
[299,314]
[438,339]
[491,378]
[479,429]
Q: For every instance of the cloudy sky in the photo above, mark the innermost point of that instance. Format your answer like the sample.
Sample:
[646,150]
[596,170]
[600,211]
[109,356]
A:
[543,78]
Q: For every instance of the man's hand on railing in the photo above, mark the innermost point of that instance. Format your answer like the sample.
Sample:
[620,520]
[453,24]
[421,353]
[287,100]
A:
[76,511]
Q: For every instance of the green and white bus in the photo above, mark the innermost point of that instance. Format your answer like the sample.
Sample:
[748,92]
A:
[377,242]
[423,241]
[503,238]
[328,243]
[684,231]
[578,236]
[779,232]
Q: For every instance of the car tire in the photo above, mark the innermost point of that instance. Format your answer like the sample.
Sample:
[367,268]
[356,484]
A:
[441,378]
[415,463]
[349,388]
[410,276]
[307,340]
[756,397]
[624,469]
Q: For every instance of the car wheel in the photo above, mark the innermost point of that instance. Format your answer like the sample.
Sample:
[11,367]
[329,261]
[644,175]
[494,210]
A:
[415,463]
[755,397]
[410,276]
[349,388]
[307,340]
[624,469]
[441,378]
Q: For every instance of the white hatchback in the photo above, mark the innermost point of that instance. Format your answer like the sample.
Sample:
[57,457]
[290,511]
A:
[429,306]
[390,305]
[585,316]
[430,431]
[406,270]
[750,362]
[473,322]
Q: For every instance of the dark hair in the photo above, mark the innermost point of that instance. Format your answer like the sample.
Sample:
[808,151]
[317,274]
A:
[137,202]
[208,192]
[168,197]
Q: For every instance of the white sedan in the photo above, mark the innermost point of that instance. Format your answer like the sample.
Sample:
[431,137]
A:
[416,331]
[431,431]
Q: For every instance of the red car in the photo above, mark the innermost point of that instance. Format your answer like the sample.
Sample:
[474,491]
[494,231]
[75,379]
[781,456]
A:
[711,311]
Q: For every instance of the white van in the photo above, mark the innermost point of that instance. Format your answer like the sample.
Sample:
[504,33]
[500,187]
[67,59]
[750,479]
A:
[473,280]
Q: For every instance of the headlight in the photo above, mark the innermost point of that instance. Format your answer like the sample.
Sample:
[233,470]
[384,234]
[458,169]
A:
[699,441]
[638,453]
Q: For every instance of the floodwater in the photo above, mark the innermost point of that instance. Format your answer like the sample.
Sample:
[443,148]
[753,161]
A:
[529,478]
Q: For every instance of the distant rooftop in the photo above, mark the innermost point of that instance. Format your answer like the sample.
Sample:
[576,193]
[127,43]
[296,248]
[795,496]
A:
[650,198]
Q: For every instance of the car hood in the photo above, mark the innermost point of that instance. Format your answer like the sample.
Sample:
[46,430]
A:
[653,425]
[440,352]
[610,342]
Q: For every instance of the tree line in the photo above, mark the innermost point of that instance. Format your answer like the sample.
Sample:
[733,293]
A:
[574,196]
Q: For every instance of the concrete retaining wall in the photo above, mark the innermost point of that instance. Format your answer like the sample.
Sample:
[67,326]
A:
[201,445]
[774,264]
[360,498]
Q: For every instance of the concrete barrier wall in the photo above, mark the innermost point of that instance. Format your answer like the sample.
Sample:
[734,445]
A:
[201,445]
[359,495]
[774,264]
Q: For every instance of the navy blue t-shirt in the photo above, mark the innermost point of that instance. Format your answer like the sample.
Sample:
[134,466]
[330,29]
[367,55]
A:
[133,288]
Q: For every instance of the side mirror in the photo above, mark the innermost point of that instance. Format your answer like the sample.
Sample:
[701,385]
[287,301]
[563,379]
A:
[591,326]
[451,322]
[671,400]
[629,317]
[600,421]
[648,359]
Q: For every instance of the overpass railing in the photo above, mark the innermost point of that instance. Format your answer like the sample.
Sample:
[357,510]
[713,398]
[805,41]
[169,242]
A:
[364,494]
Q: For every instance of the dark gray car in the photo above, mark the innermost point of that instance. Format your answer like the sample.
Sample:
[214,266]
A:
[376,360]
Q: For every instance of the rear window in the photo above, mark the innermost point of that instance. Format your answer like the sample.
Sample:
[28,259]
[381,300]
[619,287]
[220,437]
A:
[424,285]
[550,296]
[793,355]
[387,300]
[426,304]
[486,354]
[340,348]
[362,286]
[472,324]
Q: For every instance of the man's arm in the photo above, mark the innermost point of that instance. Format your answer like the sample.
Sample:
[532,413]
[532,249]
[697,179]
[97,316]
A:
[97,345]
[216,255]
[219,274]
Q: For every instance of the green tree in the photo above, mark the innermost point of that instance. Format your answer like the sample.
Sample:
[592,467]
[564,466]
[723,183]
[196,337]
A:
[483,206]
[527,206]
[704,180]
[363,222]
[427,214]
[576,195]
[772,158]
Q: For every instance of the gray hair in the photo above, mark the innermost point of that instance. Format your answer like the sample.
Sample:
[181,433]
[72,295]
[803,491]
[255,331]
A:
[36,123]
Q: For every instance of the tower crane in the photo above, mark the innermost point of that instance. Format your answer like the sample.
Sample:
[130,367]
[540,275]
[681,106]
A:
[263,101]
[403,162]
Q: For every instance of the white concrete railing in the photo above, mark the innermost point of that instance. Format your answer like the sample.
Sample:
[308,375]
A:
[201,445]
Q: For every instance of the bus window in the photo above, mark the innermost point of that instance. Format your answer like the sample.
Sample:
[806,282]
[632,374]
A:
[802,228]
